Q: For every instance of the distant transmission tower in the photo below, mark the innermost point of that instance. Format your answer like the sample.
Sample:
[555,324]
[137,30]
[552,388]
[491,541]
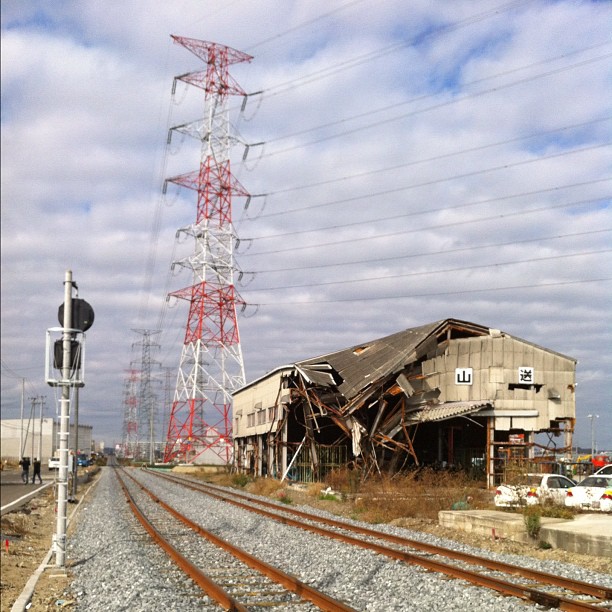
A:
[129,443]
[211,365]
[147,398]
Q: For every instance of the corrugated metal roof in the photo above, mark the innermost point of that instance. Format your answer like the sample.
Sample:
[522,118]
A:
[448,410]
[363,364]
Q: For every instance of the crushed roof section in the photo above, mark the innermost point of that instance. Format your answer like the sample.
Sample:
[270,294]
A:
[362,364]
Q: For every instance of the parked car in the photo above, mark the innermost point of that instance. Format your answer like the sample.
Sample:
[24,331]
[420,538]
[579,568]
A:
[54,462]
[605,470]
[537,488]
[593,493]
[84,461]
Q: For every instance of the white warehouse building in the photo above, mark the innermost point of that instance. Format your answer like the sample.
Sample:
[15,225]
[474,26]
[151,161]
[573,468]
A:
[39,441]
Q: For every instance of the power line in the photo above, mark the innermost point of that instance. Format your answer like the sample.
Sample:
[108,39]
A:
[442,156]
[430,227]
[362,298]
[444,179]
[467,85]
[432,253]
[438,106]
[372,55]
[421,212]
[465,205]
[430,272]
[304,24]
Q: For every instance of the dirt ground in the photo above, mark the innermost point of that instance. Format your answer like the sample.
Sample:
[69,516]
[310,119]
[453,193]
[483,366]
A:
[29,535]
[26,539]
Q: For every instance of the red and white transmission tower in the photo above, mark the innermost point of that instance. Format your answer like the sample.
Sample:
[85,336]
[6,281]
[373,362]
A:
[211,365]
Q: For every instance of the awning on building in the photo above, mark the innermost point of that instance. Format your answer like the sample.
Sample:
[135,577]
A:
[448,410]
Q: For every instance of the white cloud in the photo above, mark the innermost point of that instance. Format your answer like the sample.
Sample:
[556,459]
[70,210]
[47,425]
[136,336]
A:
[392,130]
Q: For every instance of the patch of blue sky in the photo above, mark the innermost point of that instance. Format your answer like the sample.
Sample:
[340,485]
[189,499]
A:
[6,108]
[40,20]
[589,207]
[27,19]
[571,138]
[419,35]
[309,47]
[449,77]
[85,207]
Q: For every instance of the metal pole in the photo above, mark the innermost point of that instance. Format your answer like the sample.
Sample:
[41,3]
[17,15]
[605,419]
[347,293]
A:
[62,480]
[40,427]
[21,425]
[32,418]
[76,442]
[151,436]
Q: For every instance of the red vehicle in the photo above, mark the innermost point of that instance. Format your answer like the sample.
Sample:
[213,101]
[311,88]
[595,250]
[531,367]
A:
[599,461]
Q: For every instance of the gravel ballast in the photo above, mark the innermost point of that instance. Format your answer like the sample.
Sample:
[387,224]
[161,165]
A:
[116,567]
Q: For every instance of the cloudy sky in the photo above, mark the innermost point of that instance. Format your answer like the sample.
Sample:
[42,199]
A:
[420,160]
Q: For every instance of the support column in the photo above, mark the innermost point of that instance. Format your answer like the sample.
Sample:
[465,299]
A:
[62,480]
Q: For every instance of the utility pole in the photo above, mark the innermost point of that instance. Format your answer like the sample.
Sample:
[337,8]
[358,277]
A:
[21,419]
[32,421]
[592,417]
[211,365]
[40,427]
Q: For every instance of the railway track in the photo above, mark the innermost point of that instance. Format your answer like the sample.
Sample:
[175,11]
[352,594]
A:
[232,577]
[538,587]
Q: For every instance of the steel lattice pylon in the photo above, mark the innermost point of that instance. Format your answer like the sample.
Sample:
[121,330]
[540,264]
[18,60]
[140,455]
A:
[129,445]
[211,365]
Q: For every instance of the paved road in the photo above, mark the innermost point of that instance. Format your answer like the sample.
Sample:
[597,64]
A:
[12,488]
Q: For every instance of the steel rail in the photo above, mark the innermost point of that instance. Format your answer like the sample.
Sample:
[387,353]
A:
[196,574]
[579,586]
[502,586]
[291,583]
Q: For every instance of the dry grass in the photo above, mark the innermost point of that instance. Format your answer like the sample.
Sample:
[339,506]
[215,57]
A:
[314,489]
[14,524]
[268,487]
[419,494]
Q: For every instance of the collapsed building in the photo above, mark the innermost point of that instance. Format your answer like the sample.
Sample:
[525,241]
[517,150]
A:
[449,394]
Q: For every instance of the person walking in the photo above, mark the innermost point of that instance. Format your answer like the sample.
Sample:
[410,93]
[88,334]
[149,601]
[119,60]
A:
[36,471]
[25,469]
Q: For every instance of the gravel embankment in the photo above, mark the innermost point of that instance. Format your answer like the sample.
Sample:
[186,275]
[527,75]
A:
[116,568]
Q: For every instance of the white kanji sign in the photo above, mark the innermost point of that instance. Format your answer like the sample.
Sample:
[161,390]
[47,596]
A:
[464,376]
[526,376]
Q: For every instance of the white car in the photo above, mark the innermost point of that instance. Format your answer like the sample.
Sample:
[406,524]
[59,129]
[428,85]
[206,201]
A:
[593,493]
[536,489]
[606,469]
